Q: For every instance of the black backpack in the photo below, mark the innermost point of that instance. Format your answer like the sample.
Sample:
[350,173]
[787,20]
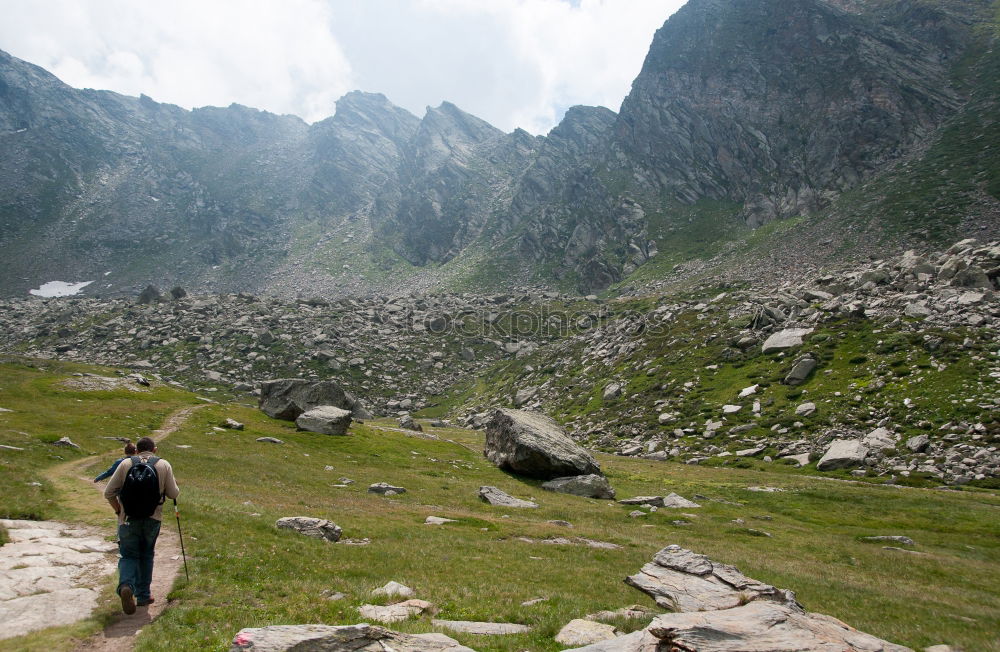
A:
[140,494]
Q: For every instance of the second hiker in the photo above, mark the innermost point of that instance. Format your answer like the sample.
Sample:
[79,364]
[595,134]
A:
[136,492]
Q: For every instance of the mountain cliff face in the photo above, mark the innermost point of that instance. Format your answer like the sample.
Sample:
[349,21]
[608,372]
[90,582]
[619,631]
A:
[771,110]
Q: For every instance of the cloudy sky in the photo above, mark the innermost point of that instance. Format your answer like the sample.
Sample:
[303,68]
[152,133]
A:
[514,63]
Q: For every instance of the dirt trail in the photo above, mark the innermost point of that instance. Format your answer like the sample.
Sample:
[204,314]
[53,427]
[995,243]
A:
[120,635]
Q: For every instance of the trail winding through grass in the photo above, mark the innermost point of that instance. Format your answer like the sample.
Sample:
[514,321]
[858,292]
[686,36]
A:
[120,634]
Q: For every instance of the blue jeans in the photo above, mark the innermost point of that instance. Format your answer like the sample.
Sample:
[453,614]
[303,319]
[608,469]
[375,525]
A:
[136,540]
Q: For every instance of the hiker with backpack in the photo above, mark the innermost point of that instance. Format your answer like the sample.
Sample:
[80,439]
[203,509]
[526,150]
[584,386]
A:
[136,492]
[129,452]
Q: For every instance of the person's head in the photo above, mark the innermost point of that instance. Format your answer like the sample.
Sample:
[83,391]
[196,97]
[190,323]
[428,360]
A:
[130,448]
[145,445]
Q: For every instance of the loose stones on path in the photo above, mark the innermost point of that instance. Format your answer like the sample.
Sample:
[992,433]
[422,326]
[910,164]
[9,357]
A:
[48,573]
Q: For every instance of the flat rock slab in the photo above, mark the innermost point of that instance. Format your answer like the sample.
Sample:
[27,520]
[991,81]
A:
[394,613]
[680,580]
[345,638]
[500,498]
[489,629]
[50,574]
[575,541]
[786,339]
[843,453]
[756,626]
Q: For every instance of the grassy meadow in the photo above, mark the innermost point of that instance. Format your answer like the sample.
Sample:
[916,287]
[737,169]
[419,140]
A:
[244,572]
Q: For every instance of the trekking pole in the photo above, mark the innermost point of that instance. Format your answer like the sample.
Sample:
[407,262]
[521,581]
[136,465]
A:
[177,514]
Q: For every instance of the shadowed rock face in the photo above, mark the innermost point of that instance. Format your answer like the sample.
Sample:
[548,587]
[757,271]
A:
[534,445]
[287,398]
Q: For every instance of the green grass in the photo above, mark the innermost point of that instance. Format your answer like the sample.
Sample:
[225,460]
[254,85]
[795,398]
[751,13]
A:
[44,409]
[246,573]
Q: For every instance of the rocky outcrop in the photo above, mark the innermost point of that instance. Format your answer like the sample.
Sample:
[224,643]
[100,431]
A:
[287,398]
[318,528]
[718,609]
[534,445]
[345,638]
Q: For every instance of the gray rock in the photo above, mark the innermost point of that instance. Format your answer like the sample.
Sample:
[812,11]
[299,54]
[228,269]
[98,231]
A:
[585,632]
[842,454]
[269,440]
[495,496]
[407,422]
[801,459]
[534,445]
[785,339]
[65,442]
[919,443]
[149,295]
[287,398]
[343,638]
[232,424]
[612,391]
[438,520]
[325,419]
[675,501]
[806,409]
[485,629]
[880,439]
[394,613]
[385,489]
[588,486]
[681,580]
[319,528]
[759,625]
[394,589]
[917,310]
[524,395]
[801,370]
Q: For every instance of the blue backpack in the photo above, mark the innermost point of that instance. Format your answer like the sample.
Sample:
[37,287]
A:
[140,494]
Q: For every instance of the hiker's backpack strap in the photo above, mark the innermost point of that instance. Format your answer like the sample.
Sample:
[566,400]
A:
[153,459]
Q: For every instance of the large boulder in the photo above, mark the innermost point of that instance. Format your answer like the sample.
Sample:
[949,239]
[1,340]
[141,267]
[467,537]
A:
[588,486]
[287,398]
[325,419]
[534,445]
[342,638]
[842,454]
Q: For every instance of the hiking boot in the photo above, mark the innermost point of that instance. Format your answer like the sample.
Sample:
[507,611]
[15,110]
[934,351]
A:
[145,603]
[128,600]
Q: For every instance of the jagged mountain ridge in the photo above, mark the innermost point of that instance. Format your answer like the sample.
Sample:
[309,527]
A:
[776,108]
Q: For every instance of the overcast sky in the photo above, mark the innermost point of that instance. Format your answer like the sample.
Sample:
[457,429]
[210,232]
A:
[514,63]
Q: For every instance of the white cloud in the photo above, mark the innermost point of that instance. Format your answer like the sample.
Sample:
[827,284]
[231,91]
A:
[511,62]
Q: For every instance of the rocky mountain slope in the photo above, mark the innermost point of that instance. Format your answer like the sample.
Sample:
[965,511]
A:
[899,355]
[743,113]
